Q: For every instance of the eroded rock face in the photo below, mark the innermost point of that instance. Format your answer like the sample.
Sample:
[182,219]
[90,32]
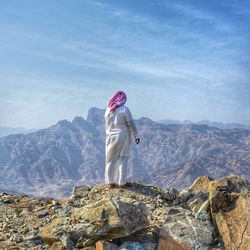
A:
[182,231]
[201,184]
[230,208]
[197,201]
[111,218]
[80,191]
[50,233]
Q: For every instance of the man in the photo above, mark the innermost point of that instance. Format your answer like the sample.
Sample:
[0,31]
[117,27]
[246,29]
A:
[119,127]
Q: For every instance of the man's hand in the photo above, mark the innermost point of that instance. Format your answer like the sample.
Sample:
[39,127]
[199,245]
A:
[137,140]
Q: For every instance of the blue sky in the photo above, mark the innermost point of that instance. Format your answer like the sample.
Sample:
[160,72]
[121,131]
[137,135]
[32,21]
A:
[174,59]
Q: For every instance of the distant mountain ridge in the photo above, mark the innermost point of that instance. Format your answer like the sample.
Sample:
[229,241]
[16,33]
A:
[53,160]
[220,125]
[4,131]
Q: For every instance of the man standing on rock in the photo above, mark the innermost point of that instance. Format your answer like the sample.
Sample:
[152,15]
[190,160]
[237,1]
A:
[119,125]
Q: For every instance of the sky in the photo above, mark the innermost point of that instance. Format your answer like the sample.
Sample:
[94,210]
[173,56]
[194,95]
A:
[174,59]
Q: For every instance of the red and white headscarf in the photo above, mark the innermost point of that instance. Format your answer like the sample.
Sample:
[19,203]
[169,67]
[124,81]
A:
[117,100]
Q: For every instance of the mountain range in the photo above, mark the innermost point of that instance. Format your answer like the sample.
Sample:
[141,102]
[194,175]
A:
[221,125]
[4,131]
[53,160]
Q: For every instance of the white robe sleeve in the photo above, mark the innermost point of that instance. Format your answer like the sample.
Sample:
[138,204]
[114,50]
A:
[130,123]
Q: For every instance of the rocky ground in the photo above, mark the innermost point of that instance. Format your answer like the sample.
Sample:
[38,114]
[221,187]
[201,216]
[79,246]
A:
[210,214]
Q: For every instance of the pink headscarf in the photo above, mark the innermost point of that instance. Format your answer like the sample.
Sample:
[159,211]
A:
[117,100]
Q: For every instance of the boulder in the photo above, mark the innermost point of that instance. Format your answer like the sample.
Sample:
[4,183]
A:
[148,235]
[182,231]
[50,233]
[170,194]
[43,213]
[168,243]
[200,206]
[67,242]
[230,209]
[201,184]
[80,191]
[197,201]
[204,211]
[184,195]
[110,218]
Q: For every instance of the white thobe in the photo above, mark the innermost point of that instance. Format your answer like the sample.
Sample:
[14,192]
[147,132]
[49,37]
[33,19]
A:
[119,126]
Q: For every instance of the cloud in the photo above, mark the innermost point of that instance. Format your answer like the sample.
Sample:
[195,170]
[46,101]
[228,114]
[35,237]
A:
[184,52]
[193,12]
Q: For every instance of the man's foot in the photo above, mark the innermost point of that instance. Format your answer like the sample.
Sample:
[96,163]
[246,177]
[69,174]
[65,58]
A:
[129,184]
[124,185]
[112,185]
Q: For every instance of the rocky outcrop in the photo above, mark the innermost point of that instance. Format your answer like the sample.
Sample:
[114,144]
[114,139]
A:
[230,208]
[110,218]
[141,217]
[182,230]
[201,184]
[226,202]
[80,191]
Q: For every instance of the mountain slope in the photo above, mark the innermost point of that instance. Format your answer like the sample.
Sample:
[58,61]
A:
[53,160]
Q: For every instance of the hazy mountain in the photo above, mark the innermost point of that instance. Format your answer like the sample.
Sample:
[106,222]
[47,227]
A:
[4,131]
[53,160]
[208,123]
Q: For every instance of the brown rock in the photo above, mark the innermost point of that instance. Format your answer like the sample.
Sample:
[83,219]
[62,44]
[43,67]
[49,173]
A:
[230,208]
[49,232]
[80,191]
[233,225]
[201,184]
[231,183]
[168,243]
[111,218]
